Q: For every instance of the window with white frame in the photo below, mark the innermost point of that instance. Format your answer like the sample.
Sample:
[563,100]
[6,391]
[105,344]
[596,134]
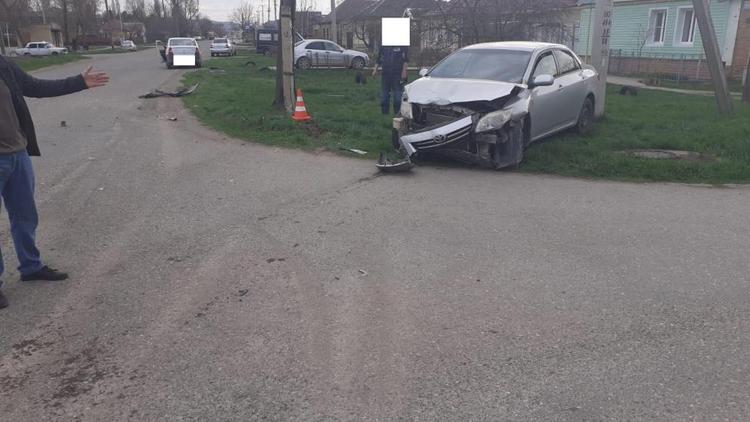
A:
[657,26]
[685,26]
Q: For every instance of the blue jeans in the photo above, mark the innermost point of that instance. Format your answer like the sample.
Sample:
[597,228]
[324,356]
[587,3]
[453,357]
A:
[17,187]
[390,83]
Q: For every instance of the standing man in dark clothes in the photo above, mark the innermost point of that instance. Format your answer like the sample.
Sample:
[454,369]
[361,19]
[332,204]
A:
[17,143]
[394,62]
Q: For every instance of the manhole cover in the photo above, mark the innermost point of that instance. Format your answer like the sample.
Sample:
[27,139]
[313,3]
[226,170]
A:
[668,154]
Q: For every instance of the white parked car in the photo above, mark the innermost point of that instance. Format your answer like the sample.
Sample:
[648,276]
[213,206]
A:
[183,52]
[128,45]
[324,53]
[41,48]
[222,47]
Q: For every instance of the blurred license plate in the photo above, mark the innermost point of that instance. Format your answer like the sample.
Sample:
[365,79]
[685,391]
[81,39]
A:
[184,60]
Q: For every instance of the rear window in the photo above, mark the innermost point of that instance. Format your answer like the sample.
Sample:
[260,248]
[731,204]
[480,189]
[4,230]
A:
[183,41]
[220,40]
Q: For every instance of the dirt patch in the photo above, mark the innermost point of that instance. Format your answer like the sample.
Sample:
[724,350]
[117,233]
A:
[312,129]
[28,347]
[79,374]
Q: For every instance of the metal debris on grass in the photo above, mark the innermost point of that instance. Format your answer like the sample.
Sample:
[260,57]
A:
[354,150]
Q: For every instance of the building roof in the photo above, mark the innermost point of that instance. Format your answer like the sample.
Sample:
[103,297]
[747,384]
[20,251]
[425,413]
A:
[358,9]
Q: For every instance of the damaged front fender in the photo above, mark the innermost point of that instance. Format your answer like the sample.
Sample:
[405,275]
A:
[489,134]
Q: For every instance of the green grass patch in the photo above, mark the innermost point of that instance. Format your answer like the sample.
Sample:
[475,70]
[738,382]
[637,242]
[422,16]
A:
[239,103]
[653,120]
[33,63]
[345,114]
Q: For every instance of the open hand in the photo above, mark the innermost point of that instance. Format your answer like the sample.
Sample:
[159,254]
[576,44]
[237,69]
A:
[94,79]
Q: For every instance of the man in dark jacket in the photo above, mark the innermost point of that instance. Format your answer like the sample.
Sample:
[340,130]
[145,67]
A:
[17,143]
[394,61]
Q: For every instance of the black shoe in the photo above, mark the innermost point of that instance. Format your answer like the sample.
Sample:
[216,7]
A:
[45,273]
[3,301]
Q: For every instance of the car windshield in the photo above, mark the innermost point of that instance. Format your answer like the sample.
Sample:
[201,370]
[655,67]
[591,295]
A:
[494,65]
[220,41]
[183,41]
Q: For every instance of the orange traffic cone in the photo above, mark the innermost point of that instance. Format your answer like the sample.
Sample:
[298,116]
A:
[300,112]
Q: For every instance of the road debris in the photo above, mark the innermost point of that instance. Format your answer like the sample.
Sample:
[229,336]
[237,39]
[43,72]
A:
[172,119]
[179,93]
[63,124]
[386,165]
[668,154]
[363,272]
[354,150]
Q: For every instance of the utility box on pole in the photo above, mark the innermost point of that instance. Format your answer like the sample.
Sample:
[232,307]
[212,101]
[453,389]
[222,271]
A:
[600,50]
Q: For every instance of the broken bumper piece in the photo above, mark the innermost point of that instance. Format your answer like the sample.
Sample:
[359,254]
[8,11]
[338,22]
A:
[435,138]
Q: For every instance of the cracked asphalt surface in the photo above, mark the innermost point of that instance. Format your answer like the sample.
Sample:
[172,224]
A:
[219,280]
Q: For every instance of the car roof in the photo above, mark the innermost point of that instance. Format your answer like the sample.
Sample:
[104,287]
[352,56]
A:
[181,38]
[314,39]
[515,45]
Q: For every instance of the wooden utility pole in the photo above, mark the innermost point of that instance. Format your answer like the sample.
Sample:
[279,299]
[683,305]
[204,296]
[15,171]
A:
[600,50]
[334,37]
[285,95]
[713,56]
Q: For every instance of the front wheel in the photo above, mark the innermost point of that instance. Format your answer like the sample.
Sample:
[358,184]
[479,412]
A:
[586,117]
[54,53]
[304,63]
[358,63]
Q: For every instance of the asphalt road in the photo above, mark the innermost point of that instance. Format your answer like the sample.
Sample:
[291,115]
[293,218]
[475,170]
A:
[218,280]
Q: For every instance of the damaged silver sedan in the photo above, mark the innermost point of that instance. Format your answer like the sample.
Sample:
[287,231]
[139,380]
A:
[484,104]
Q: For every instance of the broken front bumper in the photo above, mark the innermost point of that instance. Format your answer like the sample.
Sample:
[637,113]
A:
[448,135]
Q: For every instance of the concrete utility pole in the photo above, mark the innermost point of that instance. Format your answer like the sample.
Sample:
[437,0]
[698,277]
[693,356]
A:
[285,95]
[713,56]
[600,50]
[334,38]
[746,83]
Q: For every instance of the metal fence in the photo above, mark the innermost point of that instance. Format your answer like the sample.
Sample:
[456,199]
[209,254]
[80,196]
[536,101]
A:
[656,68]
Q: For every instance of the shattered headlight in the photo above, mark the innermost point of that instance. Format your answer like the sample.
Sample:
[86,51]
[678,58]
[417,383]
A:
[406,109]
[493,121]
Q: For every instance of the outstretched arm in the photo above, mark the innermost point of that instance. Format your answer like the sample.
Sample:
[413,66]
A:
[40,88]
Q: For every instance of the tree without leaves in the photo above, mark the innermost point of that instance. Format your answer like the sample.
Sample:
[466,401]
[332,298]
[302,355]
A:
[243,13]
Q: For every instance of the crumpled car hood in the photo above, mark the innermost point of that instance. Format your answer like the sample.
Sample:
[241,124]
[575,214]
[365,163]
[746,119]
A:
[444,91]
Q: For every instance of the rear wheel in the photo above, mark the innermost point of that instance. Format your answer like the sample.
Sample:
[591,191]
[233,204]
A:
[304,63]
[358,63]
[586,117]
[55,53]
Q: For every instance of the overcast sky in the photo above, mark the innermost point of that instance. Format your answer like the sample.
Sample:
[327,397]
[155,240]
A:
[219,10]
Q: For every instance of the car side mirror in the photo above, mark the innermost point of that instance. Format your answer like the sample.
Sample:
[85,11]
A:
[542,80]
[423,71]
